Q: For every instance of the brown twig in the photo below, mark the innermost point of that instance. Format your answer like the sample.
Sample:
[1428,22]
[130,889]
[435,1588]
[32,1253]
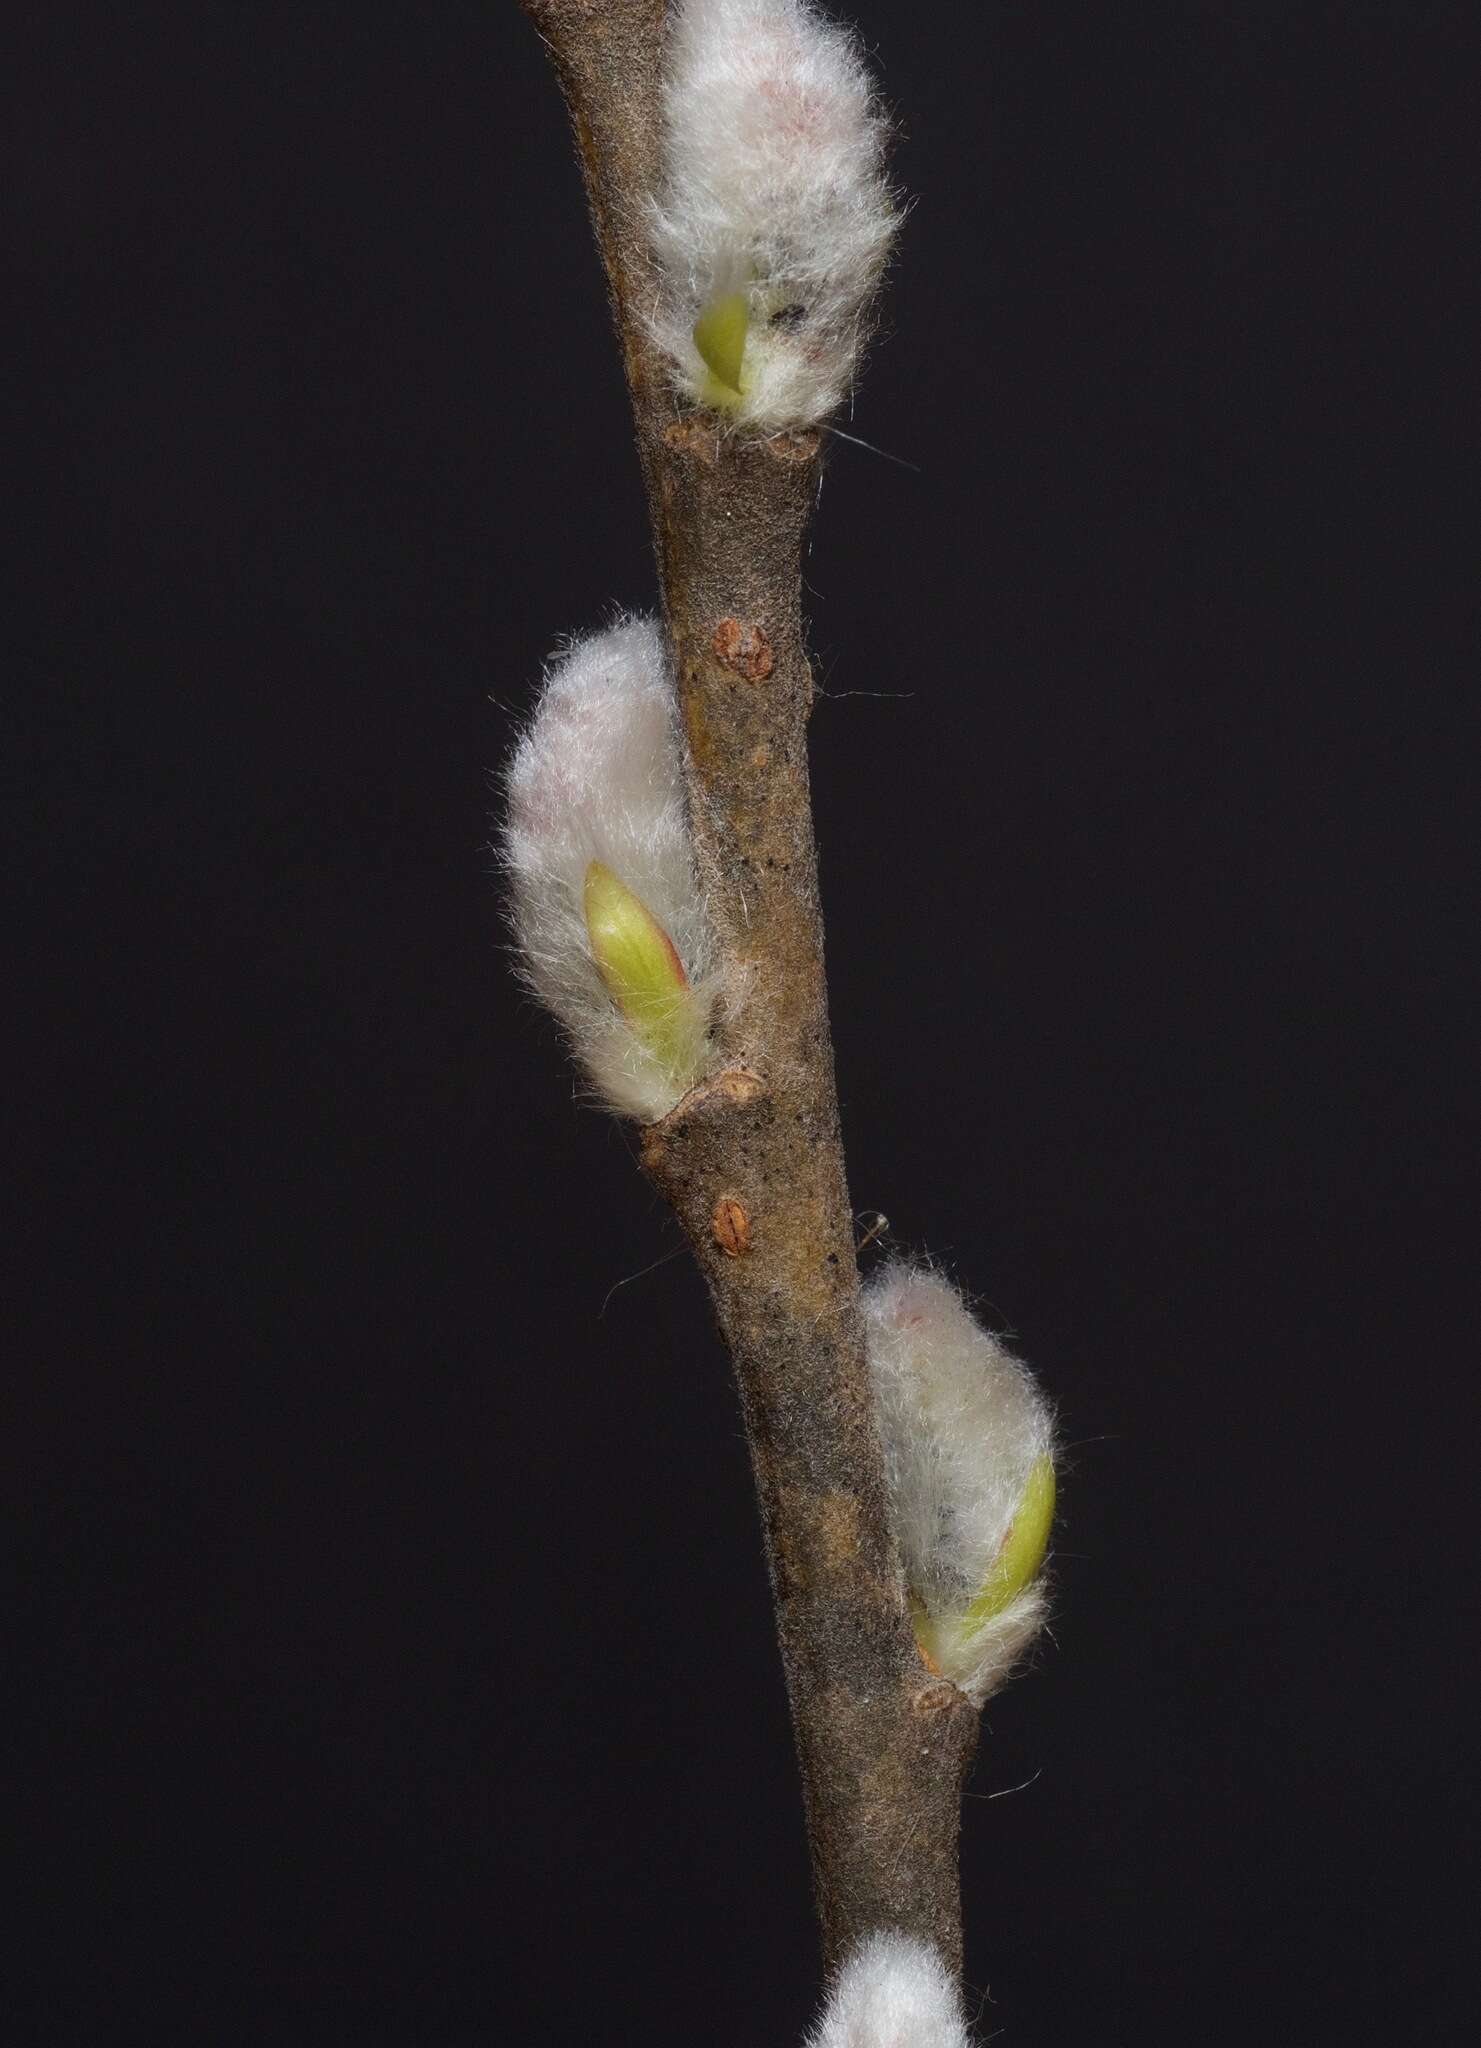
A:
[752,1160]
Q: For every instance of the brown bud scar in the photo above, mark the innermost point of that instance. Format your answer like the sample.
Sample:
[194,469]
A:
[744,649]
[739,1084]
[732,1227]
[695,436]
[799,445]
[936,1699]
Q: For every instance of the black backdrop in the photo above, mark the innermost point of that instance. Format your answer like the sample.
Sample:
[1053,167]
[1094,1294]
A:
[392,1651]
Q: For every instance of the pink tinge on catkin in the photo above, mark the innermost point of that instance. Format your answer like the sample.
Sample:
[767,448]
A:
[773,186]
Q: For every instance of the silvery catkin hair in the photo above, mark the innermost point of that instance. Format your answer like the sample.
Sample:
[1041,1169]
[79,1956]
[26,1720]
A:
[774,218]
[609,920]
[969,1457]
[892,1992]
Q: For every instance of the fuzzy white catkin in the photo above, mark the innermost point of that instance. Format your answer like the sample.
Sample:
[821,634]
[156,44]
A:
[774,186]
[963,1425]
[892,1992]
[598,776]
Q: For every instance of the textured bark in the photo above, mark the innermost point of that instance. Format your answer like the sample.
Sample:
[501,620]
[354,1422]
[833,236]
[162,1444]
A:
[752,1160]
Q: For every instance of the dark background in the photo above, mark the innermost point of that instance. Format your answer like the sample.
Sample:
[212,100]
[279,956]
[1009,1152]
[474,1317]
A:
[391,1647]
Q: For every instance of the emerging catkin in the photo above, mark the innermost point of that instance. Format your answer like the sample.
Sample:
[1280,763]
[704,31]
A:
[969,1457]
[892,1992]
[607,913]
[774,218]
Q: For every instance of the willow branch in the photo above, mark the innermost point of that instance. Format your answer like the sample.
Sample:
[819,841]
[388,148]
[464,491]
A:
[752,1160]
